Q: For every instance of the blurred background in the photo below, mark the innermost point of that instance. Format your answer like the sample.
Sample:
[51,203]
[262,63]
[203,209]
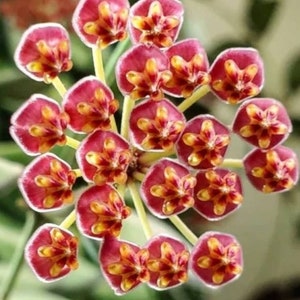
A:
[267,226]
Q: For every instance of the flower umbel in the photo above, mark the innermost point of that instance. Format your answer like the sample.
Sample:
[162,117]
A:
[157,158]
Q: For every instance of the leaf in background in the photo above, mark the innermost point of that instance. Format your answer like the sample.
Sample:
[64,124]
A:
[260,14]
[293,74]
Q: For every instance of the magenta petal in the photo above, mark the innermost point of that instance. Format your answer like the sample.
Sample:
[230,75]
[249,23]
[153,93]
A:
[156,27]
[123,264]
[51,124]
[273,170]
[203,142]
[168,262]
[100,211]
[52,252]
[167,188]
[155,125]
[218,193]
[44,51]
[104,26]
[262,122]
[237,74]
[46,183]
[216,259]
[189,66]
[89,104]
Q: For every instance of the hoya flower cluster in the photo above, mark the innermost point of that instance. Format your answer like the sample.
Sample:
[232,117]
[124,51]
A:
[168,164]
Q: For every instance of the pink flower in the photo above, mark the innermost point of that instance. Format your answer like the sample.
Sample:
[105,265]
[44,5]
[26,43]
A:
[142,71]
[100,212]
[168,188]
[51,252]
[155,125]
[167,262]
[103,157]
[123,264]
[237,74]
[189,67]
[203,142]
[217,259]
[218,192]
[89,104]
[46,183]
[38,125]
[155,22]
[274,170]
[100,22]
[44,51]
[263,122]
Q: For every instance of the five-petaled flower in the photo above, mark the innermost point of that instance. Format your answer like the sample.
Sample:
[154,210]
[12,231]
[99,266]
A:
[136,157]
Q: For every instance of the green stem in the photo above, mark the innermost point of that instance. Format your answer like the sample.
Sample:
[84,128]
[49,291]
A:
[233,163]
[199,93]
[17,259]
[138,204]
[185,231]
[98,63]
[128,105]
[59,86]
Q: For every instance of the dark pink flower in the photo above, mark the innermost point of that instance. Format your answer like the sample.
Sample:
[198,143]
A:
[168,188]
[218,192]
[44,51]
[103,157]
[51,252]
[155,125]
[38,125]
[217,259]
[263,122]
[167,262]
[155,22]
[46,183]
[123,264]
[237,74]
[189,67]
[101,22]
[90,104]
[274,170]
[203,142]
[142,71]
[100,211]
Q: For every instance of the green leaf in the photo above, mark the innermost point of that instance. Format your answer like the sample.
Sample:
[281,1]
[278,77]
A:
[293,73]
[260,14]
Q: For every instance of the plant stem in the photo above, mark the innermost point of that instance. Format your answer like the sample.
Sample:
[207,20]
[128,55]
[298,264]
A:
[233,163]
[199,93]
[185,231]
[98,63]
[150,157]
[73,143]
[59,86]
[138,204]
[127,108]
[17,259]
[69,220]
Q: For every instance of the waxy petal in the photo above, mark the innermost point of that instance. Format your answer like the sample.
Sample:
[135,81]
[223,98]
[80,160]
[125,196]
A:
[155,125]
[167,263]
[274,170]
[155,22]
[38,125]
[124,265]
[104,157]
[100,211]
[189,66]
[203,142]
[218,192]
[217,259]
[101,22]
[142,71]
[237,74]
[167,188]
[263,122]
[52,252]
[44,51]
[46,183]
[90,104]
